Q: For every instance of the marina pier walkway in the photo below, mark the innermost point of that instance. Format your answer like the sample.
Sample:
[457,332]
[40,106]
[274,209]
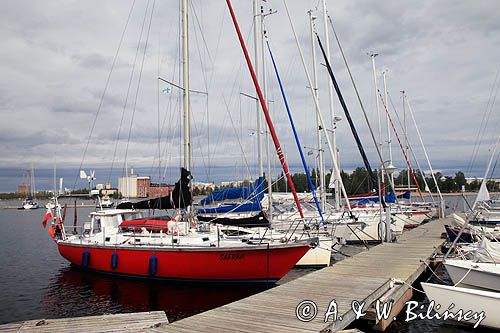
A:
[123,322]
[364,277]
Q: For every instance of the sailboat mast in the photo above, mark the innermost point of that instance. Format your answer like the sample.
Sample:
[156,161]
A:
[321,163]
[55,185]
[268,144]
[332,111]
[389,140]
[185,85]
[372,56]
[33,181]
[405,129]
[317,108]
[277,145]
[423,149]
[257,42]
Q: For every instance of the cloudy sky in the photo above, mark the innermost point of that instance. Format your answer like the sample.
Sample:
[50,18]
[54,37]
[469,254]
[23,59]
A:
[56,58]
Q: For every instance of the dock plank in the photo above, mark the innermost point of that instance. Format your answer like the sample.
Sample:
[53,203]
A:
[123,322]
[363,277]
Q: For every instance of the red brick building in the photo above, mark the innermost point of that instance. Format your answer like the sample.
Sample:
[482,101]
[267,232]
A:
[23,189]
[143,185]
[160,190]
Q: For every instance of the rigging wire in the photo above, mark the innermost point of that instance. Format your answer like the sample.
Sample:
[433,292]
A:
[159,92]
[227,104]
[485,119]
[105,88]
[306,168]
[420,169]
[377,148]
[138,85]
[400,144]
[128,92]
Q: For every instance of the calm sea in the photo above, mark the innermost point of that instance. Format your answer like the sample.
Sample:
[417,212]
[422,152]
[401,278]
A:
[36,282]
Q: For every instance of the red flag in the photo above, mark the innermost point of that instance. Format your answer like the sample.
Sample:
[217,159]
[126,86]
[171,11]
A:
[52,231]
[47,217]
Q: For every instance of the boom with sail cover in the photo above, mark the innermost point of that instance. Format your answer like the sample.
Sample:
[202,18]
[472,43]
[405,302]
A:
[254,192]
[179,198]
[259,220]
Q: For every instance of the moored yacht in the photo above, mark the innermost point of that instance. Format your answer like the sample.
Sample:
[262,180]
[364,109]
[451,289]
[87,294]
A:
[174,249]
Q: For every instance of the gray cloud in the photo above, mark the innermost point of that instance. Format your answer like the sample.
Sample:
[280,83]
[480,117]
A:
[56,59]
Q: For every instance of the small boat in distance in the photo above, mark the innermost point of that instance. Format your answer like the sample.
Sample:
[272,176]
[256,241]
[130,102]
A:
[105,202]
[30,202]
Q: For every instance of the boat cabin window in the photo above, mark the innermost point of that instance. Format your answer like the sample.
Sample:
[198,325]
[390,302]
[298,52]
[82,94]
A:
[110,221]
[97,224]
[131,216]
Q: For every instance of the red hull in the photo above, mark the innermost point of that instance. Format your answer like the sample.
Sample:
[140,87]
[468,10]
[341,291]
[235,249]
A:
[186,264]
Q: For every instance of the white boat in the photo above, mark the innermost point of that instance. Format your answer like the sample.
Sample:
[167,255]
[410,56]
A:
[30,202]
[474,274]
[105,202]
[410,215]
[480,305]
[318,256]
[331,237]
[373,229]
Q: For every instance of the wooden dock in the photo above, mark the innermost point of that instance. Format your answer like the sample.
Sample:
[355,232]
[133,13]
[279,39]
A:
[365,277]
[123,322]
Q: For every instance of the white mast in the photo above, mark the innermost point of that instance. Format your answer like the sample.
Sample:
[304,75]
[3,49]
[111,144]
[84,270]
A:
[256,36]
[32,181]
[268,143]
[321,162]
[389,141]
[332,112]
[318,110]
[55,181]
[423,147]
[406,140]
[372,56]
[185,84]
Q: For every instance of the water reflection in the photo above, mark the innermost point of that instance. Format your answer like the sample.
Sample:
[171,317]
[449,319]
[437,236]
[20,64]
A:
[74,292]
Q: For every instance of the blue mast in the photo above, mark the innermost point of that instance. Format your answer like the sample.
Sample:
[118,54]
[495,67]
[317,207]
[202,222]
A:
[304,163]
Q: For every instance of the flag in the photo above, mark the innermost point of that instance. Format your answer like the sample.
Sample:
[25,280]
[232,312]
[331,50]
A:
[47,217]
[52,231]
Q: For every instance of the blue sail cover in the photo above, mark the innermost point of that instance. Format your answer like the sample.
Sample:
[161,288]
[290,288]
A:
[389,198]
[405,195]
[236,208]
[254,192]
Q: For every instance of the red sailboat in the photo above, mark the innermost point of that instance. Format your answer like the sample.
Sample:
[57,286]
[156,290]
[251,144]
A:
[122,242]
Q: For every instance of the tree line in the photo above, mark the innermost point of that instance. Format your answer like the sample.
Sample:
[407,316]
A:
[358,182]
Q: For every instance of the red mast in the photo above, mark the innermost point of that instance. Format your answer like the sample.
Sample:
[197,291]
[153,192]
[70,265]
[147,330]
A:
[265,110]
